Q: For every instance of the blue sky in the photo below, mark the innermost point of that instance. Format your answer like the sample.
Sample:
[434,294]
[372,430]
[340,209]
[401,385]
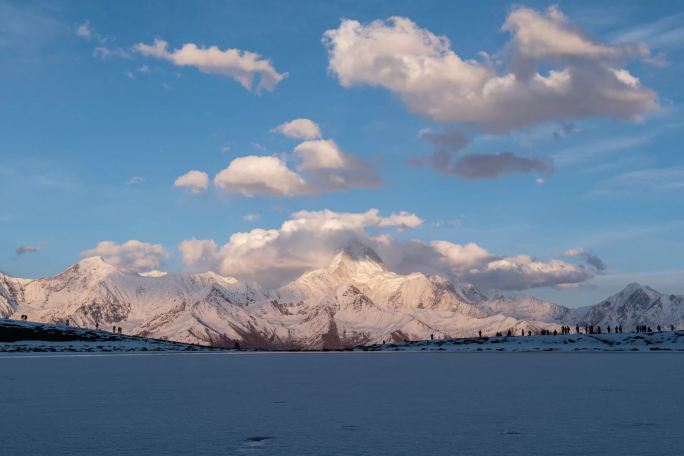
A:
[92,141]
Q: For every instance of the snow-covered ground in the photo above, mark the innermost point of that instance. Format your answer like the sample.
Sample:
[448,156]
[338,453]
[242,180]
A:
[341,404]
[644,342]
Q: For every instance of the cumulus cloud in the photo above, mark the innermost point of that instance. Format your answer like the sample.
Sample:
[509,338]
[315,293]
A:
[255,175]
[591,259]
[321,167]
[309,239]
[329,168]
[195,181]
[319,154]
[300,129]
[243,66]
[198,254]
[554,72]
[132,255]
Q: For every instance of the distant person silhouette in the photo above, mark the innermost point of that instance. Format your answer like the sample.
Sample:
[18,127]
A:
[119,329]
[479,333]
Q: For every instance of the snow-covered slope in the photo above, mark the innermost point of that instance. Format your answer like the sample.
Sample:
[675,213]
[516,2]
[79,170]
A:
[354,300]
[526,308]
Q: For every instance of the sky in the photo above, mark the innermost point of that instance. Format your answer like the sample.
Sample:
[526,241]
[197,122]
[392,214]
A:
[529,148]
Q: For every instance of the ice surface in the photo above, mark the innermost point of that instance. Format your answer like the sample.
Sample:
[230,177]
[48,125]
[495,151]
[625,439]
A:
[342,404]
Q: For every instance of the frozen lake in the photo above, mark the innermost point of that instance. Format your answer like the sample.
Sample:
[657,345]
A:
[342,404]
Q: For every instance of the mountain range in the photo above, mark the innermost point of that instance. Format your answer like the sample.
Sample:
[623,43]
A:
[354,300]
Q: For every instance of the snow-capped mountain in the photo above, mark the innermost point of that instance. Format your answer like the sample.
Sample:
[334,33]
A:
[354,300]
[635,305]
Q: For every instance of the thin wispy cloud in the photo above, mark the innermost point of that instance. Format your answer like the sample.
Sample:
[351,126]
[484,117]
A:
[584,153]
[637,183]
[665,33]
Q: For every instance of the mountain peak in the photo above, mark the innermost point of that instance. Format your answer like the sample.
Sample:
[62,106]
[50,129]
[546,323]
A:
[358,251]
[95,262]
[93,265]
[357,258]
[634,287]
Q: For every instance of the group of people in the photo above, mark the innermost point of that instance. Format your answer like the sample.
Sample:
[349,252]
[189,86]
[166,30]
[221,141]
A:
[647,329]
[115,329]
[591,329]
[588,329]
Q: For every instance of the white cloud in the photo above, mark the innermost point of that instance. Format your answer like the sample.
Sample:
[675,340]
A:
[135,180]
[322,167]
[555,73]
[243,66]
[104,52]
[538,36]
[319,154]
[461,258]
[274,256]
[522,271]
[198,254]
[195,181]
[254,175]
[300,129]
[250,217]
[131,255]
[309,239]
[84,31]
